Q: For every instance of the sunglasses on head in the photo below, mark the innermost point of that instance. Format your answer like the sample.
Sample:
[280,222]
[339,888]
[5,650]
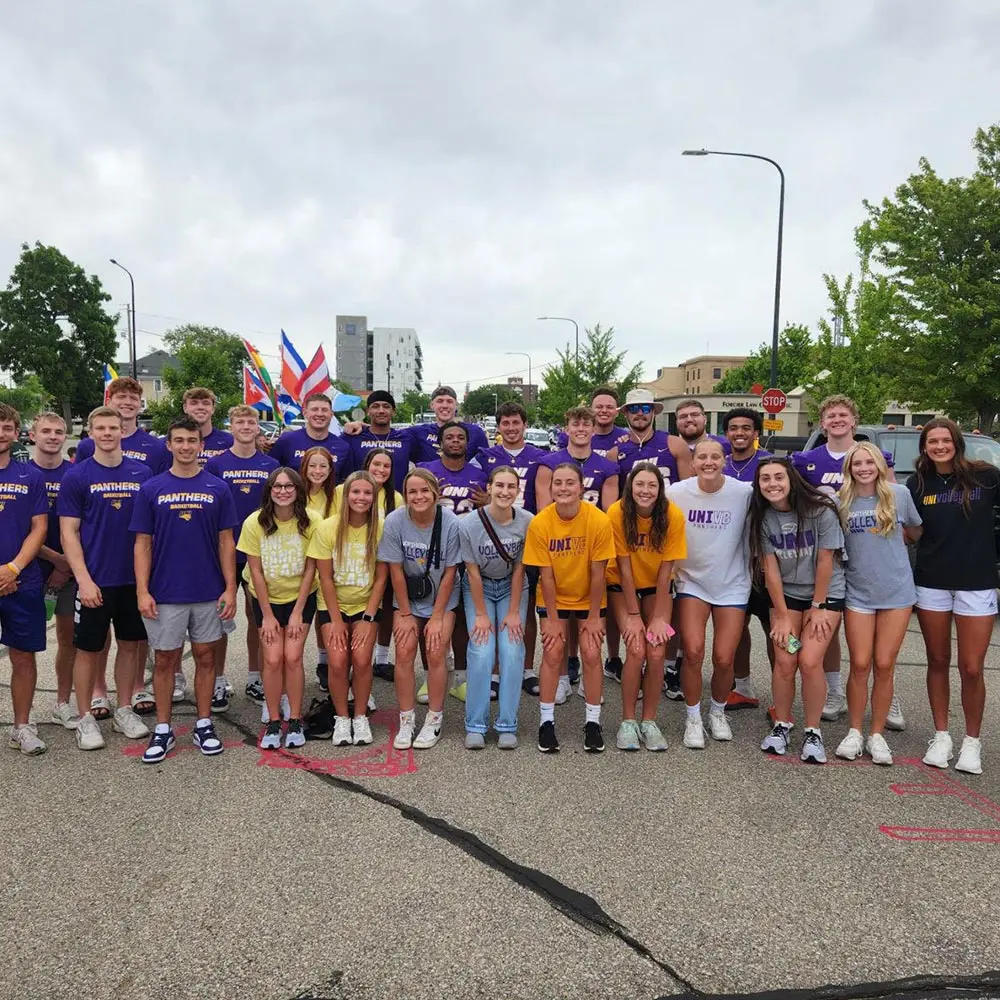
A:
[639,408]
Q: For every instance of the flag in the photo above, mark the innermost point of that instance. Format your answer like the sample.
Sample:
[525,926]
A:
[316,378]
[254,393]
[260,369]
[292,367]
[109,376]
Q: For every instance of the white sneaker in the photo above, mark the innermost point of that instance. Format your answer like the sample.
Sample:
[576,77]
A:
[581,692]
[894,720]
[341,731]
[65,715]
[878,750]
[694,733]
[852,745]
[563,690]
[423,696]
[939,750]
[403,740]
[718,727]
[362,731]
[88,733]
[970,759]
[813,751]
[25,738]
[180,687]
[776,741]
[834,706]
[129,724]
[428,735]
[372,707]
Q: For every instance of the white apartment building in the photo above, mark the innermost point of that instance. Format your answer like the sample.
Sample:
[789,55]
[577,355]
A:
[396,361]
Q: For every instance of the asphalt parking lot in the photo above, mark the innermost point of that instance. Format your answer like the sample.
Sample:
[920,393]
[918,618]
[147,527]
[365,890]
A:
[365,872]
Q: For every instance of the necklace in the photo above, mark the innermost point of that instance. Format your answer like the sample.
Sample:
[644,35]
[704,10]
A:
[740,469]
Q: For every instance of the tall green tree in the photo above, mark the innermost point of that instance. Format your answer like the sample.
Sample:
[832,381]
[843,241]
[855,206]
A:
[938,242]
[484,401]
[796,363]
[411,404]
[29,398]
[53,324]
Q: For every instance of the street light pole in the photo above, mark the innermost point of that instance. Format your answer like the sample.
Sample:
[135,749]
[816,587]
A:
[781,226]
[576,326]
[524,354]
[135,353]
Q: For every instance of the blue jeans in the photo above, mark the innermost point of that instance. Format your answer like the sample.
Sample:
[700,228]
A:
[480,659]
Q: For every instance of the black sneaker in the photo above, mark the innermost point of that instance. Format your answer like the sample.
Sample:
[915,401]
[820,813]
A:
[494,690]
[319,720]
[573,669]
[206,740]
[593,738]
[672,685]
[384,671]
[613,668]
[547,740]
[255,691]
[220,700]
[323,677]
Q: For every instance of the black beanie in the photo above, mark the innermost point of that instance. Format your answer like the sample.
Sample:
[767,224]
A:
[380,396]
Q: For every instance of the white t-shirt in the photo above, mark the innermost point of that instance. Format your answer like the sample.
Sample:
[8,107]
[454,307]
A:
[717,568]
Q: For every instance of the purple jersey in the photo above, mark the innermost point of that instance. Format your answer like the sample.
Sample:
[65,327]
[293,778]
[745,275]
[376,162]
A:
[426,443]
[457,487]
[22,497]
[655,450]
[53,481]
[825,471]
[744,469]
[141,446]
[595,471]
[185,516]
[292,445]
[398,443]
[600,443]
[215,444]
[103,497]
[245,478]
[525,463]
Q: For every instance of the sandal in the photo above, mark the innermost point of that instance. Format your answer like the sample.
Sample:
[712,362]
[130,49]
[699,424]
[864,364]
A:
[530,686]
[100,709]
[143,703]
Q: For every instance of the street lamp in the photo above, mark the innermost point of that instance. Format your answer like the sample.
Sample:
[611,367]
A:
[576,326]
[781,225]
[135,353]
[524,354]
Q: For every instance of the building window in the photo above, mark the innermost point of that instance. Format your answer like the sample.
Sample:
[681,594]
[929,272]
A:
[157,385]
[893,418]
[716,373]
[920,418]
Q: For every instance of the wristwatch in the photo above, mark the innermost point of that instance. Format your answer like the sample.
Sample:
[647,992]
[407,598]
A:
[820,607]
[365,617]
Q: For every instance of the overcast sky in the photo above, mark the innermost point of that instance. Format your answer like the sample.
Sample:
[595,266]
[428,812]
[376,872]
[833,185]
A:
[463,167]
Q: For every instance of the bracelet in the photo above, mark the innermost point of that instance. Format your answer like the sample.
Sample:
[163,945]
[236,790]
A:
[14,568]
[634,614]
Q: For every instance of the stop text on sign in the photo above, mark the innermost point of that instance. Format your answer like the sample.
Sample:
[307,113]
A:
[774,401]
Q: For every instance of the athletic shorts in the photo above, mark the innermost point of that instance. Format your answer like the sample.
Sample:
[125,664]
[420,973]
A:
[759,606]
[282,612]
[565,613]
[175,622]
[323,617]
[120,607]
[974,603]
[616,588]
[22,620]
[681,597]
[802,604]
[66,600]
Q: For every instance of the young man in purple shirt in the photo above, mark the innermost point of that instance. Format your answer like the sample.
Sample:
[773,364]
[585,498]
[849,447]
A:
[607,437]
[646,444]
[292,445]
[95,509]
[425,437]
[379,433]
[185,569]
[24,522]
[244,470]
[199,405]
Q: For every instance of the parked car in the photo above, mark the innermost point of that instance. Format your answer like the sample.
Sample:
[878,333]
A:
[539,437]
[783,445]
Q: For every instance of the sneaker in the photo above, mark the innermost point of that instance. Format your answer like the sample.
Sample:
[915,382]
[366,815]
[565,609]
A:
[970,758]
[894,720]
[573,669]
[323,677]
[628,735]
[851,746]
[403,740]
[255,691]
[583,694]
[384,671]
[613,668]
[423,697]
[294,736]
[458,691]
[88,733]
[672,685]
[220,699]
[64,714]
[878,750]
[651,735]
[362,731]
[776,741]
[180,688]
[475,741]
[25,738]
[718,727]
[593,738]
[736,701]
[507,741]
[228,683]
[271,740]
[129,724]
[694,733]
[563,690]
[160,744]
[206,740]
[494,689]
[834,706]
[548,742]
[813,751]
[939,750]
[428,736]
[372,707]
[342,731]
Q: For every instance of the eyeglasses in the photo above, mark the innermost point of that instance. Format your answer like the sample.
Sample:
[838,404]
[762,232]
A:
[282,487]
[639,408]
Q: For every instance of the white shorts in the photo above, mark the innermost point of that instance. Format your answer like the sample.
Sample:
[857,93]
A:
[974,603]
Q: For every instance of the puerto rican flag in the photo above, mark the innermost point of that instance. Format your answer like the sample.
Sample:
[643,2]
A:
[316,378]
[254,391]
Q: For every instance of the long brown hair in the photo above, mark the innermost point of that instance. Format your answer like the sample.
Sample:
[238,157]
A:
[389,486]
[372,520]
[630,512]
[299,510]
[331,480]
[965,468]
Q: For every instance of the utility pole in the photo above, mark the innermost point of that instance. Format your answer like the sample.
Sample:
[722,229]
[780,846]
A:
[130,337]
[388,373]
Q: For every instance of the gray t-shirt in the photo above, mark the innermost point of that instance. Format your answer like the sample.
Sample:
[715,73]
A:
[878,567]
[478,547]
[797,553]
[406,543]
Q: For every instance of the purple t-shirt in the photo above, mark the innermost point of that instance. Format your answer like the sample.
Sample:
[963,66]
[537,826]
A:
[185,518]
[426,443]
[103,498]
[525,463]
[595,471]
[655,450]
[215,444]
[601,443]
[398,442]
[457,487]
[22,497]
[53,481]
[245,478]
[746,468]
[825,471]
[292,445]
[140,446]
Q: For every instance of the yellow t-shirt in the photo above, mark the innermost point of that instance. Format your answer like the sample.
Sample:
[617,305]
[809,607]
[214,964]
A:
[351,575]
[317,503]
[282,555]
[338,497]
[569,547]
[645,559]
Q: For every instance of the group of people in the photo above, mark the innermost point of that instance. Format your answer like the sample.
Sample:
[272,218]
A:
[430,537]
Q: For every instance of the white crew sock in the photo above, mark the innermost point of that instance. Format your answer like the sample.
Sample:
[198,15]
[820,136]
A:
[253,675]
[435,718]
[718,707]
[201,723]
[162,727]
[744,687]
[670,665]
[381,653]
[322,656]
[547,712]
[528,673]
[593,713]
[833,683]
[694,711]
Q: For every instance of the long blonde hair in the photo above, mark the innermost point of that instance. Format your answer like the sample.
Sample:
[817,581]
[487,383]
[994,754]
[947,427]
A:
[343,520]
[885,502]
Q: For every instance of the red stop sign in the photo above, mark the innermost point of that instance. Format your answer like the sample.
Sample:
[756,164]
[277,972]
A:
[774,401]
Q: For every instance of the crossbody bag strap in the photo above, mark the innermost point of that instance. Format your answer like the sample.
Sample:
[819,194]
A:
[494,538]
[434,552]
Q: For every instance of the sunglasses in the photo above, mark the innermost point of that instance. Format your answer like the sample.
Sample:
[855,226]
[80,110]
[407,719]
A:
[639,408]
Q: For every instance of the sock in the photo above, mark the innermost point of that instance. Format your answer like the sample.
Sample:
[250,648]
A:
[253,675]
[547,712]
[460,676]
[322,657]
[744,687]
[813,729]
[694,711]
[717,707]
[495,677]
[409,717]
[201,723]
[670,665]
[220,685]
[833,683]
[381,653]
[435,718]
[593,713]
[162,727]
[527,673]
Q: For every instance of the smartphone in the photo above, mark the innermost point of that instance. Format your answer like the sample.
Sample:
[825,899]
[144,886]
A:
[792,645]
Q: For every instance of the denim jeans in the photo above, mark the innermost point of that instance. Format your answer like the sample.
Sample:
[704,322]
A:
[480,659]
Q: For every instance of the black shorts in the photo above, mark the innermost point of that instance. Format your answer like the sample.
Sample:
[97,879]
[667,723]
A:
[119,607]
[759,606]
[282,612]
[641,592]
[565,613]
[801,604]
[323,618]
